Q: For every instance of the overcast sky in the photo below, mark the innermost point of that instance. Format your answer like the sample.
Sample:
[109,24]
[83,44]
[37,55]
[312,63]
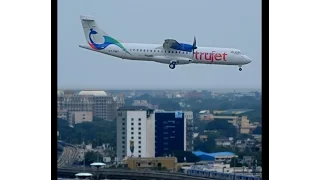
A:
[219,23]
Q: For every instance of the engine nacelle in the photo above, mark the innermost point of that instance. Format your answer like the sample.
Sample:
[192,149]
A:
[170,43]
[182,47]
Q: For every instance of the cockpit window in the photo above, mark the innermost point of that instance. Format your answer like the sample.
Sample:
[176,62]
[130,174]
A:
[236,52]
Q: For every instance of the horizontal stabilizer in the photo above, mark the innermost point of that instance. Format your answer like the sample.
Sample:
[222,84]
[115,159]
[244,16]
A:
[88,18]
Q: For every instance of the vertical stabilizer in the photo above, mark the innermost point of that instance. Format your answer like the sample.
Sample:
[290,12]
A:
[96,37]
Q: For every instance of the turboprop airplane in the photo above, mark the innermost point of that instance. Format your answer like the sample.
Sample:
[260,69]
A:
[170,52]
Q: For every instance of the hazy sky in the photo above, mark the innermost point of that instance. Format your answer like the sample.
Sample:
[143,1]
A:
[219,23]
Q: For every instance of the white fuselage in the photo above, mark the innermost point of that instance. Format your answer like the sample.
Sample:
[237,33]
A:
[156,53]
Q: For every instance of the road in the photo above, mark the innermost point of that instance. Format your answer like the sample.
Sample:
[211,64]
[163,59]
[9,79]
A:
[68,156]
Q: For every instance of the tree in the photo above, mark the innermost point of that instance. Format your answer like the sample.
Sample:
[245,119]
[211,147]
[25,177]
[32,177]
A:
[91,157]
[180,155]
[207,146]
[257,130]
[97,132]
[223,127]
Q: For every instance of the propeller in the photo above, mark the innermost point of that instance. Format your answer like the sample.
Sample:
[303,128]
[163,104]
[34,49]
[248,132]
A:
[194,45]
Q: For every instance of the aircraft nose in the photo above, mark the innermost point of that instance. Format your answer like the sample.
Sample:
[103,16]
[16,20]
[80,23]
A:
[247,59]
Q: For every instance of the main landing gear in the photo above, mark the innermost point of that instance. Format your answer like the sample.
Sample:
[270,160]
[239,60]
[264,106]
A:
[172,65]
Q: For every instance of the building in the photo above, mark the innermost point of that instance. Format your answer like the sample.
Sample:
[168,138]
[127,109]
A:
[60,95]
[144,103]
[82,116]
[113,104]
[190,130]
[62,114]
[101,104]
[100,100]
[226,142]
[236,117]
[135,132]
[170,133]
[168,163]
[104,105]
[76,103]
[205,115]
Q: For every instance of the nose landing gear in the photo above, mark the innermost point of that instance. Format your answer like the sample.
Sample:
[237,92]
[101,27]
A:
[240,69]
[172,65]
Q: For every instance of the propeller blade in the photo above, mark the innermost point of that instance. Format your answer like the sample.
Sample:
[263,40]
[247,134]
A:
[194,46]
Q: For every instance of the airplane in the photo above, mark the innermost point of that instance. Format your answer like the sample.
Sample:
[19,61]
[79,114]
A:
[170,52]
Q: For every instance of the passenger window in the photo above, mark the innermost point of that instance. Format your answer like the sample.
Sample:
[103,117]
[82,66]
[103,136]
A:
[176,51]
[168,51]
[179,52]
[165,51]
[182,52]
[140,49]
[144,50]
[158,51]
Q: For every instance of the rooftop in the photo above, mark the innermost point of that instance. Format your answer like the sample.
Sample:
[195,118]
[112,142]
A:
[93,93]
[232,112]
[134,108]
[200,153]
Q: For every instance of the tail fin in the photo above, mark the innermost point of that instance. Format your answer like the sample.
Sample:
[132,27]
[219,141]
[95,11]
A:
[91,29]
[96,37]
[88,25]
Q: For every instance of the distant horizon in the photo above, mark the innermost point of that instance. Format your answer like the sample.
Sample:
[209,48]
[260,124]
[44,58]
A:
[158,89]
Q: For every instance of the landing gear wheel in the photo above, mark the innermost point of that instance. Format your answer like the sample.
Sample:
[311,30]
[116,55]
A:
[240,69]
[172,66]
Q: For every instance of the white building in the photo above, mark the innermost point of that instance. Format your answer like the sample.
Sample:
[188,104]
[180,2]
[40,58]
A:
[135,126]
[188,115]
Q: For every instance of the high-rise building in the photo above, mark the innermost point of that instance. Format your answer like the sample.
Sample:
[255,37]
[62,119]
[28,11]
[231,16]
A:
[170,133]
[76,103]
[100,99]
[135,132]
[189,135]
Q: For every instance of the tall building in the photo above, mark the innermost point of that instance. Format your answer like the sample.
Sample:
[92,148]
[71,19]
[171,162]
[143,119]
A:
[117,102]
[135,132]
[100,99]
[60,95]
[101,104]
[170,132]
[105,105]
[76,103]
[189,128]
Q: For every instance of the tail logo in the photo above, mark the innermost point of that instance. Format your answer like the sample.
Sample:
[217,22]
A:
[107,41]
